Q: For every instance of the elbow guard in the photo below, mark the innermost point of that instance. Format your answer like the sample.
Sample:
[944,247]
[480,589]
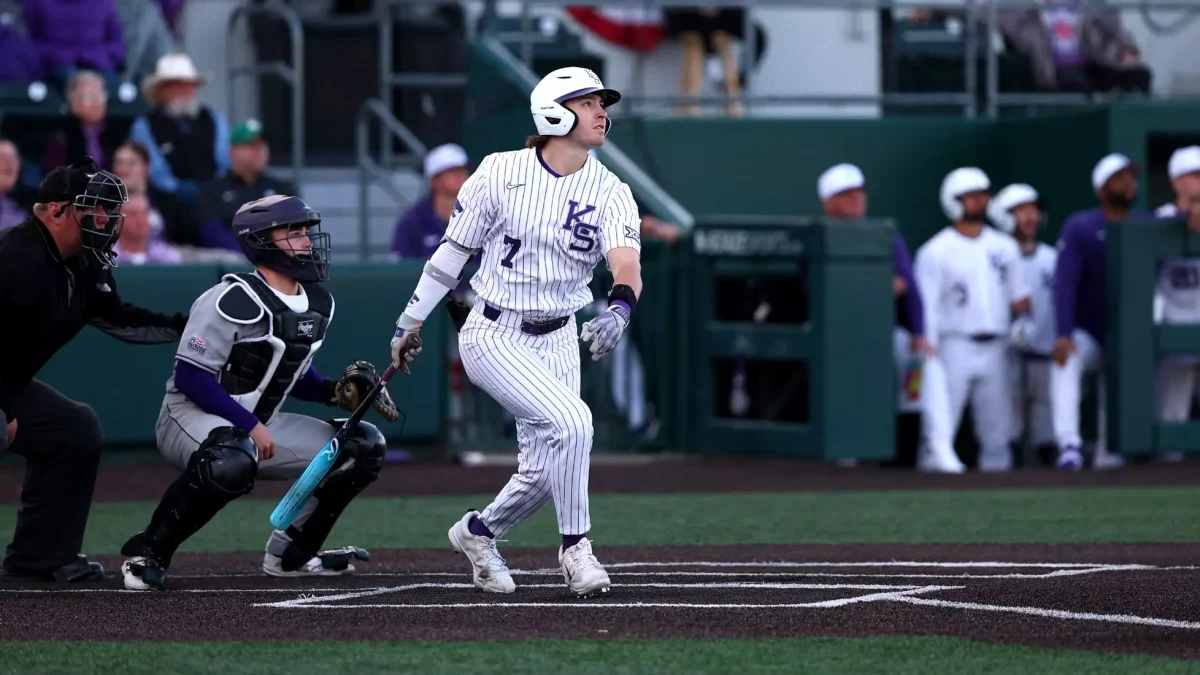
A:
[440,276]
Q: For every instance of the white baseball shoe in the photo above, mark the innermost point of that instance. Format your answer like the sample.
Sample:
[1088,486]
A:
[584,574]
[332,563]
[488,569]
[931,461]
[143,574]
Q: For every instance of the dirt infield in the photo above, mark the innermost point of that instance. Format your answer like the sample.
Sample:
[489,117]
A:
[1123,598]
[124,482]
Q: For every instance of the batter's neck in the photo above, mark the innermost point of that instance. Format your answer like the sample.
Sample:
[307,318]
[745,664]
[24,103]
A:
[564,157]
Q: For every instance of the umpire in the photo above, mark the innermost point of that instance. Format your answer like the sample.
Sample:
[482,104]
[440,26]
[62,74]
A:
[54,278]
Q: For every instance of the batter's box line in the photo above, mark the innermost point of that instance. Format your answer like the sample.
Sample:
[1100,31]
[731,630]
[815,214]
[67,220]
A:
[887,563]
[1127,619]
[892,592]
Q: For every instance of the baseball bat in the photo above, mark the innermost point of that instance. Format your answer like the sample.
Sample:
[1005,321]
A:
[307,483]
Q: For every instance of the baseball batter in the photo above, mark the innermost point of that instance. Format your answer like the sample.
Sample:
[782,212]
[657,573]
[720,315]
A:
[1177,293]
[972,286]
[248,345]
[1016,211]
[543,216]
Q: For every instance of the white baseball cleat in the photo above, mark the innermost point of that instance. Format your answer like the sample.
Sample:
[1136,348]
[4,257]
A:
[584,574]
[939,462]
[333,563]
[488,569]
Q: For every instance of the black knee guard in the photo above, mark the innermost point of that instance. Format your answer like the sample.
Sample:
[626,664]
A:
[222,469]
[358,466]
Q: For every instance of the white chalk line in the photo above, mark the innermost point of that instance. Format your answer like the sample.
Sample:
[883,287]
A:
[369,592]
[173,590]
[322,603]
[1052,613]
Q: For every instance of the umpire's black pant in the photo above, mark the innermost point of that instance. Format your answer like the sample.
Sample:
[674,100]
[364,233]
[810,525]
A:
[60,440]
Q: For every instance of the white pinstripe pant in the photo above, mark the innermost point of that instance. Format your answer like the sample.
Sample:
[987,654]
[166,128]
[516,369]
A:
[536,378]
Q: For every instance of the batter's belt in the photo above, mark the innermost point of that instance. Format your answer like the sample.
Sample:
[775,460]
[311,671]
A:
[528,327]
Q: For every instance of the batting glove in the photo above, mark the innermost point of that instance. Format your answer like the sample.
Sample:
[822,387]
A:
[604,331]
[406,344]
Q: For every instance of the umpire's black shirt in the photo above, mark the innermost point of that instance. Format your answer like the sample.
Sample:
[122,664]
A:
[45,302]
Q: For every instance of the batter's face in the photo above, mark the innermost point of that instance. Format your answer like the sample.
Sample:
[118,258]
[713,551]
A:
[593,119]
[1029,219]
[293,240]
[975,205]
[847,205]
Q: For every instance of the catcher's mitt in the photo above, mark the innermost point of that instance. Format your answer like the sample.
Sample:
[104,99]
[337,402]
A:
[358,380]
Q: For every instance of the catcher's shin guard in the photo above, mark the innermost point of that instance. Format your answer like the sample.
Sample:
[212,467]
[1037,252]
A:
[358,466]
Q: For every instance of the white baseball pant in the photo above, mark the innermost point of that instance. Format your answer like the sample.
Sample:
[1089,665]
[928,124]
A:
[536,378]
[1176,383]
[1066,383]
[1030,387]
[966,369]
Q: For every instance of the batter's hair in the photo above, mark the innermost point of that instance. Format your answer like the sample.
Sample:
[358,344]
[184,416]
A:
[536,141]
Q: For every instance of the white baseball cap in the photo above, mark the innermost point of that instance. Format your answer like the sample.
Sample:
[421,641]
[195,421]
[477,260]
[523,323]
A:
[839,178]
[1184,161]
[1109,167]
[443,158]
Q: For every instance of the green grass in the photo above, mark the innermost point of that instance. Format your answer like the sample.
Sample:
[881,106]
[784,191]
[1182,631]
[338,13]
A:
[915,655]
[999,516]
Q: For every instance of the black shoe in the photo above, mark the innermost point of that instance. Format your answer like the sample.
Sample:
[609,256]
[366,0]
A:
[144,574]
[78,570]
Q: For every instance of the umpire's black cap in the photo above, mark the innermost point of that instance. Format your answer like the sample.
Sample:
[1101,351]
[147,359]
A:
[65,183]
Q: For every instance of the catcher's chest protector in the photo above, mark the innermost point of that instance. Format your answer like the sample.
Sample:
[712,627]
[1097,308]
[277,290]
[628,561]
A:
[262,369]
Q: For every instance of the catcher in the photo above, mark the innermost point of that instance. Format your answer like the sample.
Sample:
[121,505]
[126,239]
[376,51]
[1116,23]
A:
[248,345]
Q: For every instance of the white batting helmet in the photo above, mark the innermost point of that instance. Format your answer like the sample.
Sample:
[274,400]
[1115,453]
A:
[957,183]
[1001,206]
[546,102]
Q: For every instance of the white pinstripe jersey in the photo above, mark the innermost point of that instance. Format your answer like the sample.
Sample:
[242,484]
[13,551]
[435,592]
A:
[541,234]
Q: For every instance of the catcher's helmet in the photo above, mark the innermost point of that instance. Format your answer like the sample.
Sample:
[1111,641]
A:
[98,197]
[960,182]
[253,223]
[551,117]
[1001,206]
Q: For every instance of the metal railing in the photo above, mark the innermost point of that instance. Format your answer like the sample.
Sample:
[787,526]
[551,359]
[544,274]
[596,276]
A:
[380,172]
[292,74]
[979,18]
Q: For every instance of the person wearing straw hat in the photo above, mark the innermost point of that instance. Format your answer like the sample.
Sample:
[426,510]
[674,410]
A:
[188,140]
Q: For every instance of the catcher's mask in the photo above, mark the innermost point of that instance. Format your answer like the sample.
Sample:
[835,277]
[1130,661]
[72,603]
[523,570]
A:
[98,197]
[302,254]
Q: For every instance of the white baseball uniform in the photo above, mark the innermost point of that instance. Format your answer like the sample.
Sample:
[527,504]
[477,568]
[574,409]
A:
[968,287]
[1030,369]
[542,235]
[1177,300]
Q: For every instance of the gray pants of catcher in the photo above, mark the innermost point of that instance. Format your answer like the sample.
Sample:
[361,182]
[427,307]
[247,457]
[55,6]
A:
[182,427]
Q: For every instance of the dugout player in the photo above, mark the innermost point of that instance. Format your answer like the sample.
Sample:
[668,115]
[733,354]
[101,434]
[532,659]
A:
[973,287]
[55,278]
[248,345]
[1177,293]
[1017,211]
[544,217]
[1079,282]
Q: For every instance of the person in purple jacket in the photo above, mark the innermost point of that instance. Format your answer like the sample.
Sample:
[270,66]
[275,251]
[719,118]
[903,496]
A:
[19,61]
[842,191]
[420,228]
[248,345]
[74,34]
[1079,306]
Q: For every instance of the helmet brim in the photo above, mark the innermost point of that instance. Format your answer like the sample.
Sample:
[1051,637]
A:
[607,96]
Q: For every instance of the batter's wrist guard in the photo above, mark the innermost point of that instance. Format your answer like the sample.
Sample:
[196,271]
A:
[622,299]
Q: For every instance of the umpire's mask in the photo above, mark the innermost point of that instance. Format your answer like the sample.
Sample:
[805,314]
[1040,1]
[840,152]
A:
[98,197]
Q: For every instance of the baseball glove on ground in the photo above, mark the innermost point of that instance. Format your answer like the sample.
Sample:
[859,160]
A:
[358,380]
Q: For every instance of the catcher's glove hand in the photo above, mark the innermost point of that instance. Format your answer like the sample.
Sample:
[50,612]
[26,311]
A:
[358,380]
[458,313]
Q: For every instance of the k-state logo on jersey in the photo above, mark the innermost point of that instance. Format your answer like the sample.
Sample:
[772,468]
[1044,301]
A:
[997,261]
[583,234]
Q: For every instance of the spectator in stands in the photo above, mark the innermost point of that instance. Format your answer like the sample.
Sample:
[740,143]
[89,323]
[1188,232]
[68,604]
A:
[87,130]
[188,141]
[246,181]
[147,33]
[19,61]
[170,12]
[421,227]
[74,34]
[137,244]
[1073,49]
[12,211]
[131,163]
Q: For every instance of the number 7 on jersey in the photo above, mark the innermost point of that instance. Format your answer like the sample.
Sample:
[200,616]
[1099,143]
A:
[514,246]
